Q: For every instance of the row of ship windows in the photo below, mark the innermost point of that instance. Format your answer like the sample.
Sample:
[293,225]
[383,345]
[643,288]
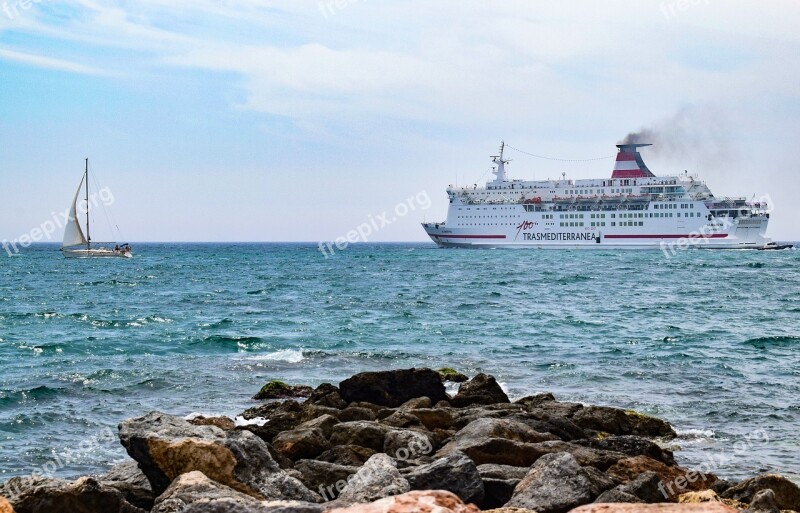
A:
[665,206]
[629,216]
[601,216]
[578,224]
[584,192]
[492,217]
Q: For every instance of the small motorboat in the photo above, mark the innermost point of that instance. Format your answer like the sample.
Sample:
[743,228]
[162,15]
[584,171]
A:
[774,245]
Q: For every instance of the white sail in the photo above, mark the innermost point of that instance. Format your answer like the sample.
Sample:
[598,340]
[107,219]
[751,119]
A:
[73,235]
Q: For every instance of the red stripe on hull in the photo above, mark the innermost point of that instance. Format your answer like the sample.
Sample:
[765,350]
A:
[468,236]
[690,236]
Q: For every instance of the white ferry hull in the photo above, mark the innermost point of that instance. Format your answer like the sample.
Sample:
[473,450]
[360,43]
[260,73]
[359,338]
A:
[751,236]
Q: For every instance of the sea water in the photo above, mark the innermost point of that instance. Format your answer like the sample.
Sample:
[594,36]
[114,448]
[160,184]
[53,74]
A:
[708,340]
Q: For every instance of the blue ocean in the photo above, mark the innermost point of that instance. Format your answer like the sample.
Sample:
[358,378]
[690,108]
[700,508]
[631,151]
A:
[708,340]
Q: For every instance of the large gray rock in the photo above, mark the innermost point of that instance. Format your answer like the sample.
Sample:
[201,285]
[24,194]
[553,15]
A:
[764,502]
[378,478]
[348,455]
[630,445]
[301,443]
[787,494]
[166,446]
[327,395]
[621,422]
[455,473]
[643,489]
[232,506]
[492,470]
[196,487]
[39,494]
[194,492]
[499,451]
[499,482]
[369,434]
[131,482]
[433,418]
[482,389]
[393,388]
[478,432]
[547,422]
[407,444]
[326,479]
[555,484]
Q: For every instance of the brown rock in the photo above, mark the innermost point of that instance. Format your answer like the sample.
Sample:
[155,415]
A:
[367,434]
[37,494]
[354,413]
[166,446]
[699,497]
[348,455]
[787,494]
[433,418]
[327,395]
[276,389]
[5,507]
[221,422]
[435,501]
[711,507]
[419,402]
[675,480]
[324,423]
[482,389]
[301,444]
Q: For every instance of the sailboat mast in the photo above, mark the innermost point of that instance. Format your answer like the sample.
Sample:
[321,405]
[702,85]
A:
[86,177]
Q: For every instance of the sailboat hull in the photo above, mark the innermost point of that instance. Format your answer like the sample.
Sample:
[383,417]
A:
[94,253]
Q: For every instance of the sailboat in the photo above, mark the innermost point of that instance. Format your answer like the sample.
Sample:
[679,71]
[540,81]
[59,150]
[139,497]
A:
[78,245]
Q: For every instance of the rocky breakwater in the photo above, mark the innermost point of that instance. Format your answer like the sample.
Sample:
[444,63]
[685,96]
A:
[394,441]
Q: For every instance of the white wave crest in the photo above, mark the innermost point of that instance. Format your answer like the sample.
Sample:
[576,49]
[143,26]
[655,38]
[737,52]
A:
[284,355]
[241,421]
[696,433]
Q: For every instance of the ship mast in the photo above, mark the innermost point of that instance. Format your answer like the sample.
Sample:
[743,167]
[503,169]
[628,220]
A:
[501,164]
[86,178]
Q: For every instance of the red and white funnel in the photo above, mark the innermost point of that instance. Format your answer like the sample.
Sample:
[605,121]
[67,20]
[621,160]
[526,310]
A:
[629,162]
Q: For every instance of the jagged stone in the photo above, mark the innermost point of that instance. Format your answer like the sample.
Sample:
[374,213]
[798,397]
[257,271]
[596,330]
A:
[555,484]
[369,434]
[131,482]
[377,479]
[787,494]
[37,494]
[482,389]
[455,473]
[166,446]
[393,388]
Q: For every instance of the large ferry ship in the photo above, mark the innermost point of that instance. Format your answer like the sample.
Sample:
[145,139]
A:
[634,209]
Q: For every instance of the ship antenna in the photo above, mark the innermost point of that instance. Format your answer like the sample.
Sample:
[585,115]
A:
[501,164]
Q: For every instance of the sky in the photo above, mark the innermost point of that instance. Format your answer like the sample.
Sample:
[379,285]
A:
[261,120]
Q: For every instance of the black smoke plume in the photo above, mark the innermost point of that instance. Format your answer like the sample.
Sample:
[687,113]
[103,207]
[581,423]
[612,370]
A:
[692,135]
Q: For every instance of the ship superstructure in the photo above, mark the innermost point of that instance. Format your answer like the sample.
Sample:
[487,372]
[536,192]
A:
[634,209]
